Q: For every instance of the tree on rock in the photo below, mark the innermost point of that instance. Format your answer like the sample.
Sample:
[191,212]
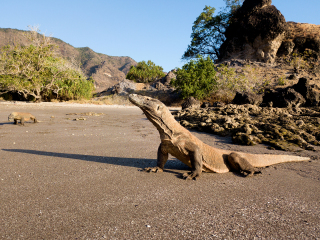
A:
[145,72]
[208,31]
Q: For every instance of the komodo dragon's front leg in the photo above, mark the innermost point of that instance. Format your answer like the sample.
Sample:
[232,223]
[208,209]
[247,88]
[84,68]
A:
[162,158]
[195,156]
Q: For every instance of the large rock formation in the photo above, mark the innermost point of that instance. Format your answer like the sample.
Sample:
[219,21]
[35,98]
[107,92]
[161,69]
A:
[256,32]
[259,32]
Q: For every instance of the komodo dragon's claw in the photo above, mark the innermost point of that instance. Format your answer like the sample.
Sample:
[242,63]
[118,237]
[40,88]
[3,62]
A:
[153,169]
[190,176]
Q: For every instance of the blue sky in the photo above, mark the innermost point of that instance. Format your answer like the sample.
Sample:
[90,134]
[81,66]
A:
[143,29]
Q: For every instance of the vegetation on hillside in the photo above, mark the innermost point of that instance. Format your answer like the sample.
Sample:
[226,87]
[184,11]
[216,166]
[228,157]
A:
[196,79]
[145,72]
[36,73]
[92,64]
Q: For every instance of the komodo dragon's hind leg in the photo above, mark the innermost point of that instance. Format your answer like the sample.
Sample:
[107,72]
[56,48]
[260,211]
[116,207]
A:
[240,164]
[162,158]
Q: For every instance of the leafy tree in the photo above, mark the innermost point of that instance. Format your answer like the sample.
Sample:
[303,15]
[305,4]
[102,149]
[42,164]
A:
[208,31]
[197,78]
[145,72]
[34,71]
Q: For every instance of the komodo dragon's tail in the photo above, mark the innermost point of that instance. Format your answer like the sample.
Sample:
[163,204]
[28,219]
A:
[263,160]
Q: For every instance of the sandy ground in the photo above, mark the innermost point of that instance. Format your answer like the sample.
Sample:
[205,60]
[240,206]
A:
[65,179]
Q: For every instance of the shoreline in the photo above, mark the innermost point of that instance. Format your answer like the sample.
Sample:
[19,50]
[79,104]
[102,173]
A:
[69,104]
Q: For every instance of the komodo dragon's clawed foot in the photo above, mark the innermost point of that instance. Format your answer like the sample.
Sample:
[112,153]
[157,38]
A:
[250,174]
[190,176]
[153,169]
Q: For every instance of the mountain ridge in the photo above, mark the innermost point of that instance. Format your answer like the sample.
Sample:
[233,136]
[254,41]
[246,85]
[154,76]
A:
[105,70]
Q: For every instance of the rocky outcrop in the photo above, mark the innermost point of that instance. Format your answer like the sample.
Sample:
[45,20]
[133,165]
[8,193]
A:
[301,94]
[163,84]
[123,88]
[256,32]
[279,128]
[259,32]
[190,102]
[299,38]
[310,92]
[247,98]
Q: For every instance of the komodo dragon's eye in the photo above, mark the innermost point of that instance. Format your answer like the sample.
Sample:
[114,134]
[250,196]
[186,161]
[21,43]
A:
[158,108]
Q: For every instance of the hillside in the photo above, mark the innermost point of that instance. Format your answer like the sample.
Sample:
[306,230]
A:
[105,70]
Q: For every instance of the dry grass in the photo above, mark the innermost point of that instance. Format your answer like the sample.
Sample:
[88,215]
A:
[303,30]
[105,100]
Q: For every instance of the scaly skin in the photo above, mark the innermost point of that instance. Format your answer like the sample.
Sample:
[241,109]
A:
[16,116]
[180,143]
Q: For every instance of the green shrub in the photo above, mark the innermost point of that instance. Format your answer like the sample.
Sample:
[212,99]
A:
[282,81]
[35,72]
[145,72]
[197,78]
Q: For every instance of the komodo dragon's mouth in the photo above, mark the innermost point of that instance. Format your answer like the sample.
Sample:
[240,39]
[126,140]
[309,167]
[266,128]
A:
[136,100]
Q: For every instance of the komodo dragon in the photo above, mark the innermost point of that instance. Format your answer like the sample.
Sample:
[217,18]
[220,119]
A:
[180,143]
[15,116]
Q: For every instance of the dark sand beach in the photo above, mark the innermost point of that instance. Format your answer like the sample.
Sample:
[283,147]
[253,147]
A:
[67,179]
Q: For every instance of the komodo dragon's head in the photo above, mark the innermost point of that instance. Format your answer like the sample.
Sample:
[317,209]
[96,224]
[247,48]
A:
[156,112]
[11,117]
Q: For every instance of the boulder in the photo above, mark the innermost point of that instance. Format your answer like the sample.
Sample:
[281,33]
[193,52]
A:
[247,98]
[282,98]
[310,92]
[123,88]
[301,94]
[206,105]
[164,83]
[167,79]
[191,102]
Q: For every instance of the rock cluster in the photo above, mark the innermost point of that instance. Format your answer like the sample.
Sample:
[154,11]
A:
[280,128]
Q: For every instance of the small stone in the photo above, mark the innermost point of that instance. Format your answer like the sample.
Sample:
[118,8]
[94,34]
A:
[299,123]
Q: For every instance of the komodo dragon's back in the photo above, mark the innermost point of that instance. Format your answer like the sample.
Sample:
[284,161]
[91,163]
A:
[22,117]
[179,142]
